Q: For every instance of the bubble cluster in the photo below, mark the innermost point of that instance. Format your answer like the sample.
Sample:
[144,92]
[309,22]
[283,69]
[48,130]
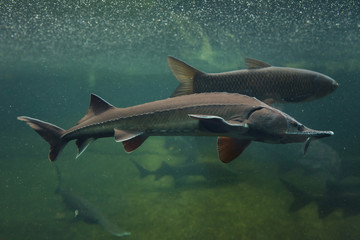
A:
[133,34]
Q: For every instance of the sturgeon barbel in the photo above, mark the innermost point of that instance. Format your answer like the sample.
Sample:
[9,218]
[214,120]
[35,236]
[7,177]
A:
[236,119]
[261,80]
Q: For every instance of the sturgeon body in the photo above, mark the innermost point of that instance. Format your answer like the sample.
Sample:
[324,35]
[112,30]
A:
[236,119]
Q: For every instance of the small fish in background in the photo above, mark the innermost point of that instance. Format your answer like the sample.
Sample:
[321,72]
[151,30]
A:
[234,118]
[85,210]
[261,80]
[214,174]
[336,196]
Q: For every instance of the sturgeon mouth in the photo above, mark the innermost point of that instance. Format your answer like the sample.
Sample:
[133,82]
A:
[291,137]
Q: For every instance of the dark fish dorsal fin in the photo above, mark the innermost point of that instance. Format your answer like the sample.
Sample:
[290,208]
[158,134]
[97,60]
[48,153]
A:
[229,148]
[252,63]
[131,140]
[97,106]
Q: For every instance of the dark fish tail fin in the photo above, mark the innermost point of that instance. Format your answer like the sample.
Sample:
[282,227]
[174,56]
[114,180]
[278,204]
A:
[185,74]
[301,199]
[51,133]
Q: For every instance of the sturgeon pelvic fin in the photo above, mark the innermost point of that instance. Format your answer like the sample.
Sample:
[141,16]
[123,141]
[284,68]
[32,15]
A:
[82,144]
[131,140]
[50,132]
[185,74]
[229,148]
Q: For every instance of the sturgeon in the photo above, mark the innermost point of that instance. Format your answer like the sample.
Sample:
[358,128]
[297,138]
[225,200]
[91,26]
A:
[336,196]
[236,119]
[261,80]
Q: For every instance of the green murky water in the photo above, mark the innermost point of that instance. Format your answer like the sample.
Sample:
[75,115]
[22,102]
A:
[55,53]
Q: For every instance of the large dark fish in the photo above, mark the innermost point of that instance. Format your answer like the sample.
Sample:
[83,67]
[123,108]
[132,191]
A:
[267,83]
[335,197]
[237,120]
[320,157]
[85,210]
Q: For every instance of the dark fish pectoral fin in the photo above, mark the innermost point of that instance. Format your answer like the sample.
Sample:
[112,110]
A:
[229,148]
[131,140]
[217,124]
[51,133]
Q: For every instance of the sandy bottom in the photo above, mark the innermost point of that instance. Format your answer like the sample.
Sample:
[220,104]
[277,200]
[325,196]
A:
[253,206]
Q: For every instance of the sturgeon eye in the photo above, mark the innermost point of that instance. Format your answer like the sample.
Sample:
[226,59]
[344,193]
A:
[300,128]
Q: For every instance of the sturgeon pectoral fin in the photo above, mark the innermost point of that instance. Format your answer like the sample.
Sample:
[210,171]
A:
[218,124]
[131,140]
[255,64]
[82,144]
[229,148]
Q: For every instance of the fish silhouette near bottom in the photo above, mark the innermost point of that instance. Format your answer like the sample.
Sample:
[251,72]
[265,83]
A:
[212,174]
[234,118]
[336,196]
[85,210]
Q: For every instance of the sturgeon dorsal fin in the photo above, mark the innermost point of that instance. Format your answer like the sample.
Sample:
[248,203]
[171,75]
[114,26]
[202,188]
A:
[252,63]
[97,106]
[229,148]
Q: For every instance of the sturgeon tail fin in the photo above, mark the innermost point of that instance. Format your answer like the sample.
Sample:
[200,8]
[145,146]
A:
[51,133]
[185,74]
